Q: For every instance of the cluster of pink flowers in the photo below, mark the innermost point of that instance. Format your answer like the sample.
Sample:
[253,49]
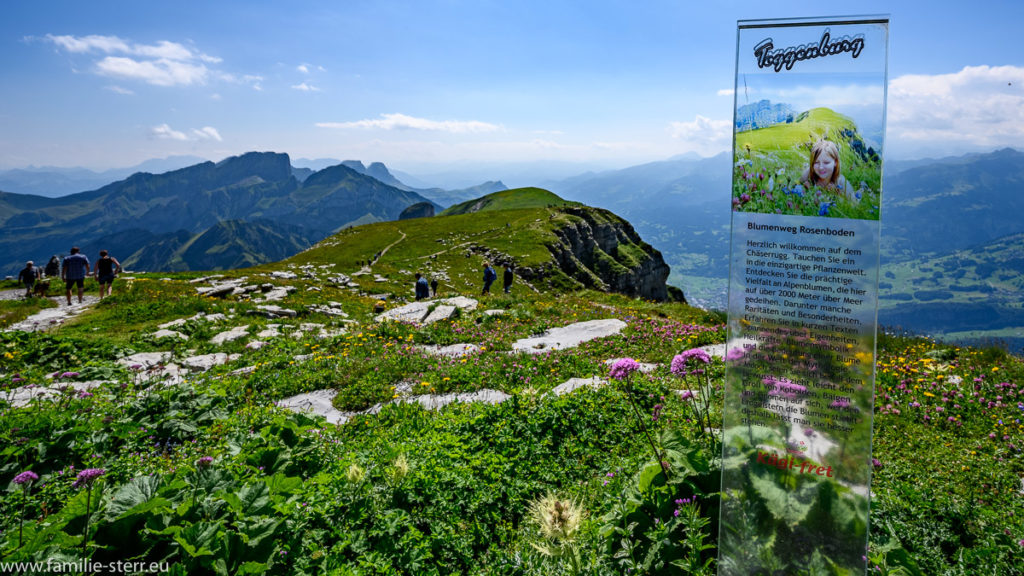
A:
[623,367]
[26,477]
[682,363]
[85,477]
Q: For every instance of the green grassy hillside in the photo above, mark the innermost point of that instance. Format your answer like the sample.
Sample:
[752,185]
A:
[970,295]
[452,249]
[509,200]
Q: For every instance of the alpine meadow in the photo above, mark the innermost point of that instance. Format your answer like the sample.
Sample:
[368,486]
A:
[307,416]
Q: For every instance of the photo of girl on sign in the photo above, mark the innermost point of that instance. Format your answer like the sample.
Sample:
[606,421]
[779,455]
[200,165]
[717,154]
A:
[810,164]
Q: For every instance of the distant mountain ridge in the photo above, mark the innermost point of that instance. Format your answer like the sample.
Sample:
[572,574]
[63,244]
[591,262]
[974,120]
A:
[256,190]
[52,182]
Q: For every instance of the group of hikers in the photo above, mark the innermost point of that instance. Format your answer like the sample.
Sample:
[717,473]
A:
[428,290]
[73,270]
[490,276]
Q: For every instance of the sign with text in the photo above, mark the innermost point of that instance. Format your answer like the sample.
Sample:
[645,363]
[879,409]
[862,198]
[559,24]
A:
[803,295]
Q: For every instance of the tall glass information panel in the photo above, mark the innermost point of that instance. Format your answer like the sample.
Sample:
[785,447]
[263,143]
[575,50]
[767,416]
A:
[803,295]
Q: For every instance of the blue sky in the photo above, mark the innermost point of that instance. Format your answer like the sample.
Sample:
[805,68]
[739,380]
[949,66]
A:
[422,84]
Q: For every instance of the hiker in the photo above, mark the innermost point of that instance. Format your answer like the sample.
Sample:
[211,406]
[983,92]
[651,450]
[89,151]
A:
[422,289]
[28,276]
[73,271]
[107,268]
[489,277]
[507,277]
[53,267]
[433,287]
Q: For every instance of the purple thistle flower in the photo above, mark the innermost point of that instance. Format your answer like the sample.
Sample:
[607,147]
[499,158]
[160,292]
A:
[686,395]
[623,368]
[734,354]
[681,362]
[204,461]
[85,477]
[69,375]
[26,477]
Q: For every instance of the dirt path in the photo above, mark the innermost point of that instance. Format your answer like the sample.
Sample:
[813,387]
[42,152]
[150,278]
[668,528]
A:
[379,255]
[388,247]
[445,250]
[50,317]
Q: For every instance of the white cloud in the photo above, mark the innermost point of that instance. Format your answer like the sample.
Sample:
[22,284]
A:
[107,44]
[703,135]
[302,68]
[305,87]
[164,63]
[977,107]
[161,72]
[165,132]
[404,122]
[207,133]
[726,92]
[120,90]
[115,45]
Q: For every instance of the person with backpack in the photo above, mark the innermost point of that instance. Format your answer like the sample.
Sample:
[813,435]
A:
[422,288]
[27,277]
[507,277]
[107,268]
[489,277]
[53,267]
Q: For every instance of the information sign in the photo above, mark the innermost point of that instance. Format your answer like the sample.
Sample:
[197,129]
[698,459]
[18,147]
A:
[803,295]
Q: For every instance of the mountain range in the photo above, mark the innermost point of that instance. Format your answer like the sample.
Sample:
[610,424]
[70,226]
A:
[52,182]
[258,207]
[240,211]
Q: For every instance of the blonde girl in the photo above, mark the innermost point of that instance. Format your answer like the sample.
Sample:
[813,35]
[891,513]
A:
[824,170]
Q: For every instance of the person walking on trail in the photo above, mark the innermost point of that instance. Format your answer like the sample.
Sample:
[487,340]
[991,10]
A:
[73,272]
[27,277]
[422,288]
[53,267]
[507,277]
[433,287]
[107,268]
[489,277]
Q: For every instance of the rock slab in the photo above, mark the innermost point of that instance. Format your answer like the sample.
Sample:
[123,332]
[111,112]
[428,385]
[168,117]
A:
[569,336]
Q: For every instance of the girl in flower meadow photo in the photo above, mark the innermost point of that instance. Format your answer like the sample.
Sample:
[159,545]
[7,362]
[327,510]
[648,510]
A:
[817,165]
